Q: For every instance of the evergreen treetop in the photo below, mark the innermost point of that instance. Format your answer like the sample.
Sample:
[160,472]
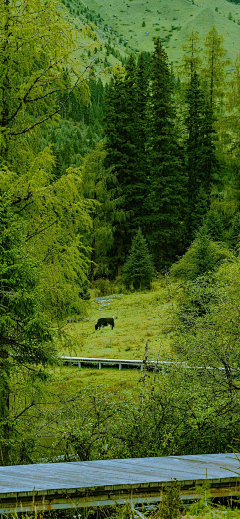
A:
[165,201]
[138,271]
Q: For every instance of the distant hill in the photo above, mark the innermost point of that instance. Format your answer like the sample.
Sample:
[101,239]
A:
[131,25]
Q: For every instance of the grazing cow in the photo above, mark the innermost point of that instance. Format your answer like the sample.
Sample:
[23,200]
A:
[104,321]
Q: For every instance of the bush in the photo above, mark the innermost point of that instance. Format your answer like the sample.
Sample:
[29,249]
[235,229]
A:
[105,287]
[203,255]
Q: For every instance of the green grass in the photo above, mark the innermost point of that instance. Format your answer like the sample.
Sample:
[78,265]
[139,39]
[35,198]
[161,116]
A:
[140,317]
[176,19]
[111,379]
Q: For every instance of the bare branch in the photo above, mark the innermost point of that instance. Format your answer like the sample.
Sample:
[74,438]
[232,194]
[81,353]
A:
[49,116]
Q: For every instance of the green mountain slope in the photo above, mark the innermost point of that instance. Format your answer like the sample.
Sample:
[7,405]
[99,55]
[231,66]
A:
[131,25]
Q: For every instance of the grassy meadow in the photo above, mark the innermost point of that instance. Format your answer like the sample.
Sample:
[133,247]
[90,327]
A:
[140,317]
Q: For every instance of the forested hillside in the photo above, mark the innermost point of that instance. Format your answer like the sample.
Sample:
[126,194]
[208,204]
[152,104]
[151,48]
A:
[120,171]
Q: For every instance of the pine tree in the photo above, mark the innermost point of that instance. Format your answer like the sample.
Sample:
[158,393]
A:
[138,270]
[166,178]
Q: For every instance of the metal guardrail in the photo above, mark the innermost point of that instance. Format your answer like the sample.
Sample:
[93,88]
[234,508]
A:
[133,363]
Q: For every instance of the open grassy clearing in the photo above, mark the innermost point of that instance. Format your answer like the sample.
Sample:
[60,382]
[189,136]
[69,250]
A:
[139,317]
[109,379]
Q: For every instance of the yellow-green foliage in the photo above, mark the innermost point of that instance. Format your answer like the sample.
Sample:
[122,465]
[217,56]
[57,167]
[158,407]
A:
[188,266]
[55,215]
[38,45]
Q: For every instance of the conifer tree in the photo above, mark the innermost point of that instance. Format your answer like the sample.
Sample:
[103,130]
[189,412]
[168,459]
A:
[124,132]
[114,145]
[34,84]
[138,270]
[26,336]
[103,210]
[213,73]
[233,125]
[166,178]
[141,103]
[214,225]
[191,57]
[201,162]
[36,46]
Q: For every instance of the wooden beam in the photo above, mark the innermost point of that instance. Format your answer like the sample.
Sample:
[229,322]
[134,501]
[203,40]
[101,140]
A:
[107,482]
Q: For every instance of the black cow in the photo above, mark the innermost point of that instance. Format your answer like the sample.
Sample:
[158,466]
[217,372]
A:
[104,321]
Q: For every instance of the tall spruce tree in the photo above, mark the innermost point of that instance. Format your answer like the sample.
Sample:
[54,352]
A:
[142,97]
[166,177]
[201,162]
[124,146]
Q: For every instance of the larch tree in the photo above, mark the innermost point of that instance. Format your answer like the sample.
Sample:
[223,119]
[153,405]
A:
[36,46]
[44,262]
[26,336]
[36,50]
[103,210]
[191,60]
[214,69]
[202,165]
[233,124]
[166,177]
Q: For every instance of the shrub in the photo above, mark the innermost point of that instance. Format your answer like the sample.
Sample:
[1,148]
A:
[106,287]
[203,255]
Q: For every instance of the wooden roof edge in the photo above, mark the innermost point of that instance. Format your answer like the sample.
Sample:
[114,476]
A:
[126,486]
